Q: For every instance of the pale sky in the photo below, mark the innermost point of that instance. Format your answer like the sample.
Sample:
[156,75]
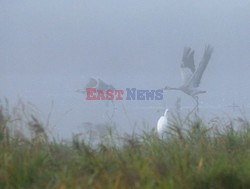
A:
[49,48]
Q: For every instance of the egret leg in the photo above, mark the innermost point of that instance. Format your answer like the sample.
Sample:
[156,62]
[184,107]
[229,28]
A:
[196,98]
[110,116]
[193,110]
[197,101]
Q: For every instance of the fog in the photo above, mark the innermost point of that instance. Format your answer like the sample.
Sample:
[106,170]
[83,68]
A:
[49,49]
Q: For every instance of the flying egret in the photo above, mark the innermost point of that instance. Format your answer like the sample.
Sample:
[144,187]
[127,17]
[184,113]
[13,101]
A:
[98,84]
[162,124]
[191,77]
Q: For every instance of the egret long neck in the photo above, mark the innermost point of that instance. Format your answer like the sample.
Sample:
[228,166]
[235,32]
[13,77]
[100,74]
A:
[174,88]
[166,113]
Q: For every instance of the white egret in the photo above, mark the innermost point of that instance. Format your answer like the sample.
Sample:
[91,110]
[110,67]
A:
[162,124]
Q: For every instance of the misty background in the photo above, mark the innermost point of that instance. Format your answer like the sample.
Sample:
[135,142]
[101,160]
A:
[49,49]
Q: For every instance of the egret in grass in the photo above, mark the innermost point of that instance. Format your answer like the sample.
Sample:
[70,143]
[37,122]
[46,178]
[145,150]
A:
[162,124]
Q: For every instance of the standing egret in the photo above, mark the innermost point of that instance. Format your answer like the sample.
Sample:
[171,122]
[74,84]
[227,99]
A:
[162,124]
[192,77]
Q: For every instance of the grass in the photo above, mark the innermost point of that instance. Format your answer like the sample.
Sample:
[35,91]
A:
[197,155]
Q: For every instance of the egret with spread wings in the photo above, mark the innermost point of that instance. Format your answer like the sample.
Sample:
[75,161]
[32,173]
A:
[98,84]
[191,76]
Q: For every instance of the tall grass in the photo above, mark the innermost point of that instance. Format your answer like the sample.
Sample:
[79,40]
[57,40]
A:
[193,154]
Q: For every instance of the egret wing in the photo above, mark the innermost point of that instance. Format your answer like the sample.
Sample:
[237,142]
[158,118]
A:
[92,83]
[103,85]
[188,66]
[196,78]
[188,59]
[186,75]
